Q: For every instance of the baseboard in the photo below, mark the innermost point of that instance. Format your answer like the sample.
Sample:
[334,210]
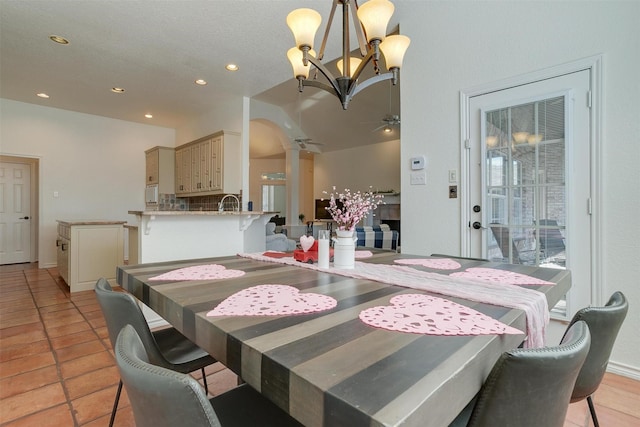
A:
[628,371]
[48,265]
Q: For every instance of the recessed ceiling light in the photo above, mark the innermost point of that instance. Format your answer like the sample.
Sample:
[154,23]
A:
[149,116]
[42,95]
[232,67]
[117,90]
[201,82]
[59,39]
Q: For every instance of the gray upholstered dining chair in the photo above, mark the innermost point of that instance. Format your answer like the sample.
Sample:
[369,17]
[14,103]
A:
[604,324]
[529,387]
[164,398]
[166,347]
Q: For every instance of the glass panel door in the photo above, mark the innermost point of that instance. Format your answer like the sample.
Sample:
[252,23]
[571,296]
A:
[530,179]
[525,183]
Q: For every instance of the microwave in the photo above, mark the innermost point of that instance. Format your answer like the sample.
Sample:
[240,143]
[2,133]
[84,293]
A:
[151,194]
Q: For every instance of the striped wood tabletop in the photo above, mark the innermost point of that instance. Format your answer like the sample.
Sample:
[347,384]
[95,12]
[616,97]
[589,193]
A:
[329,368]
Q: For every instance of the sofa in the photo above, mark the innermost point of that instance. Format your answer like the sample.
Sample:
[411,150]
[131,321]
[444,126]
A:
[278,241]
[378,236]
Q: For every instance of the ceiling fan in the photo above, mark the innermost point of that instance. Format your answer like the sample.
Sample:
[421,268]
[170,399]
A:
[388,122]
[302,142]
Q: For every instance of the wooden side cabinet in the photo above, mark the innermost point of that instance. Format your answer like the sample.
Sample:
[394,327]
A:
[89,250]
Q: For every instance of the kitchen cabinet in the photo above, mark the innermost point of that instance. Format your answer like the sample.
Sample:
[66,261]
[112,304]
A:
[209,165]
[89,250]
[183,171]
[160,168]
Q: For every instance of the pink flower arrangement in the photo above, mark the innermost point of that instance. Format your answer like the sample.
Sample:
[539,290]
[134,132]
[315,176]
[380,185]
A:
[348,209]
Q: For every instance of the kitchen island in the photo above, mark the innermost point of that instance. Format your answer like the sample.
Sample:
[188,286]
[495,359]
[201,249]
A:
[175,235]
[88,250]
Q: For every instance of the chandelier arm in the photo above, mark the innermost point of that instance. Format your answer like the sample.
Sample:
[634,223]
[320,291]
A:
[362,42]
[356,88]
[346,49]
[326,31]
[314,83]
[361,68]
[325,72]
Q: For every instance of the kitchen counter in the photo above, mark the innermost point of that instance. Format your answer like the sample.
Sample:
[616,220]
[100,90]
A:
[176,235]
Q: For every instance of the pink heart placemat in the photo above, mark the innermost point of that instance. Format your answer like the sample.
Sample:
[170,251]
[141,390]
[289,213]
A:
[200,272]
[437,263]
[272,300]
[493,275]
[425,314]
[363,254]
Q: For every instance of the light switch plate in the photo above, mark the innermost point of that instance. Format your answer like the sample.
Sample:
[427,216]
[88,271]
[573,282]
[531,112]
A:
[418,178]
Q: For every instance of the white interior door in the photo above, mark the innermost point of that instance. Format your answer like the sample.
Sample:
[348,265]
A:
[15,213]
[530,183]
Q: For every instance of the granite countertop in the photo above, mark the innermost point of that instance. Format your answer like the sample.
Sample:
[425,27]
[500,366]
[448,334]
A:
[199,213]
[90,222]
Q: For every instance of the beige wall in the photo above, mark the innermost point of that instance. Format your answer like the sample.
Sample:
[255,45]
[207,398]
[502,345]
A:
[95,164]
[458,45]
[376,166]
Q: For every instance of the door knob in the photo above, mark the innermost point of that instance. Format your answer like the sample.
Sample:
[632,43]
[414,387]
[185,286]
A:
[24,217]
[476,225]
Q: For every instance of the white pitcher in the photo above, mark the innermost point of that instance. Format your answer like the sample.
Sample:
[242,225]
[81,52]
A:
[344,249]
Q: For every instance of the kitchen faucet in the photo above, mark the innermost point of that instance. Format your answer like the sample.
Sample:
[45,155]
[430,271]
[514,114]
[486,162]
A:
[221,204]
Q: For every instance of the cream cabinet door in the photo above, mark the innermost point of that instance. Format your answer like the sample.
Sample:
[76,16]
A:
[152,166]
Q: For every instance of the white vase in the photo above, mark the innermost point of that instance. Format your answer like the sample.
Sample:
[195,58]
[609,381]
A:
[344,249]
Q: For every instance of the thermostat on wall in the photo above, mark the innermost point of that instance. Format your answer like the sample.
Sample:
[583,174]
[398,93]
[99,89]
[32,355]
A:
[417,163]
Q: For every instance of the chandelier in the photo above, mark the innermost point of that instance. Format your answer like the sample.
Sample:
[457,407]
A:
[371,31]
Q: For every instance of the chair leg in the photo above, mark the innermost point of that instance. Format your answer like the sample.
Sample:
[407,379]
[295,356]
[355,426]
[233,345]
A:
[115,404]
[592,409]
[204,379]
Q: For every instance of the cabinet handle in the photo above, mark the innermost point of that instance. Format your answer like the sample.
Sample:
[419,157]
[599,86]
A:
[57,242]
[64,246]
[150,179]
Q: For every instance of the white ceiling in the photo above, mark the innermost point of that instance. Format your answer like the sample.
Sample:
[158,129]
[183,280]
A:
[156,49]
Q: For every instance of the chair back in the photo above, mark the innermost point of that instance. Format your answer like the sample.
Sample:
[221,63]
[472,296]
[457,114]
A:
[159,397]
[551,240]
[532,387]
[121,309]
[604,324]
[505,243]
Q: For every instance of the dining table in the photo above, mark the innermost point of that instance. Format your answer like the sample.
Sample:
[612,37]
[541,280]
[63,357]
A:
[328,366]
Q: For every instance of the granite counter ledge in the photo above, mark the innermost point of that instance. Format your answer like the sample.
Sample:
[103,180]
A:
[200,213]
[89,222]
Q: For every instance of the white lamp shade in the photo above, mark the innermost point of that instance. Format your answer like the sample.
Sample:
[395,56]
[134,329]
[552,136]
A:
[295,58]
[520,137]
[393,48]
[374,16]
[353,63]
[303,24]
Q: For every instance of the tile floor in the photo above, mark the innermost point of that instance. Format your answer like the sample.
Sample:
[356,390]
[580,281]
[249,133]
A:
[57,366]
